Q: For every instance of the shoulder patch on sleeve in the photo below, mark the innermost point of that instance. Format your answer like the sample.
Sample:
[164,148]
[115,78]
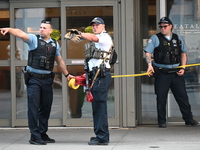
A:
[149,41]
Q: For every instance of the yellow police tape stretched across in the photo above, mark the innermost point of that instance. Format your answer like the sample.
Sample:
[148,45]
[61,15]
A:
[146,73]
[75,86]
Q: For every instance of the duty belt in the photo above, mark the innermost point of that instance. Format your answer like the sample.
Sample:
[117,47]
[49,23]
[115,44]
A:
[167,70]
[41,76]
[107,69]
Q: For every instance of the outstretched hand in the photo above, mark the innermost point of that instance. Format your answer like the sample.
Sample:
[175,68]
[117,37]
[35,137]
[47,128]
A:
[73,37]
[74,31]
[4,31]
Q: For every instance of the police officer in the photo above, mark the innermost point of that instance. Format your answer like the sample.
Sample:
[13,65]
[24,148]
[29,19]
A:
[43,50]
[169,51]
[100,89]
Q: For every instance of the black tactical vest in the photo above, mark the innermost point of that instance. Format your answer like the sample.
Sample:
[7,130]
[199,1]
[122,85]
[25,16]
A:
[43,56]
[169,51]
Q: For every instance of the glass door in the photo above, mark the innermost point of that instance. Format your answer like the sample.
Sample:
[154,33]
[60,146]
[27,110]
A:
[29,20]
[148,23]
[79,111]
[5,88]
[185,17]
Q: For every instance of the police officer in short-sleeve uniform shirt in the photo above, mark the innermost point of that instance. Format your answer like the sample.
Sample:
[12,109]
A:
[169,51]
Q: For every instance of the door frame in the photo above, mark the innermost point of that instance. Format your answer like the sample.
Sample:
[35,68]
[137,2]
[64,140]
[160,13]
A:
[126,25]
[71,3]
[5,63]
[14,63]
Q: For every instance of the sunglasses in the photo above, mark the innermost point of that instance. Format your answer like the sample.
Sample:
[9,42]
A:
[163,27]
[44,21]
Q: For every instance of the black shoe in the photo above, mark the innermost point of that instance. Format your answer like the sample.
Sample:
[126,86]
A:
[95,142]
[192,122]
[92,138]
[37,142]
[47,139]
[162,125]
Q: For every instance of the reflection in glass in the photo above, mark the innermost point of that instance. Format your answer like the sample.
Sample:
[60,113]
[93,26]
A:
[78,106]
[21,97]
[5,92]
[148,104]
[185,17]
[29,19]
[5,39]
[186,23]
[79,18]
[56,110]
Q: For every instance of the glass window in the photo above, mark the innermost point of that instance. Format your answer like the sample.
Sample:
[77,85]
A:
[148,22]
[5,92]
[5,39]
[79,18]
[185,17]
[28,20]
[5,88]
[21,97]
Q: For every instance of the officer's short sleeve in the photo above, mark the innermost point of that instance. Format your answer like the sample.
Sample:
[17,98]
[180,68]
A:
[31,42]
[57,50]
[104,39]
[152,43]
[183,45]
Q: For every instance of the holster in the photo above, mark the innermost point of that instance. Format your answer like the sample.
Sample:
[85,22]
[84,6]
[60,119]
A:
[27,75]
[102,72]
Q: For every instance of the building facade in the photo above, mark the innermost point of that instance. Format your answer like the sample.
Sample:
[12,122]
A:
[131,100]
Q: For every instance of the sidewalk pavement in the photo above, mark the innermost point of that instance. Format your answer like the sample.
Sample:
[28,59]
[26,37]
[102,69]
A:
[146,137]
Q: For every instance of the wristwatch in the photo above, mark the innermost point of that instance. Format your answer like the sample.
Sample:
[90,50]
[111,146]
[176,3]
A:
[67,75]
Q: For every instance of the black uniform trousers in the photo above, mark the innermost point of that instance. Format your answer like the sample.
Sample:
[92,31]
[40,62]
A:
[99,107]
[164,82]
[40,98]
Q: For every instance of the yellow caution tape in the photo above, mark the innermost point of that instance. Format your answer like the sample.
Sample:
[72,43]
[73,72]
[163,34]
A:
[131,75]
[189,65]
[72,84]
[143,74]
